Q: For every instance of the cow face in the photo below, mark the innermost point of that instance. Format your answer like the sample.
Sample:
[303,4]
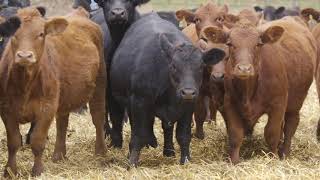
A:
[245,42]
[119,11]
[215,71]
[186,64]
[271,13]
[27,44]
[207,15]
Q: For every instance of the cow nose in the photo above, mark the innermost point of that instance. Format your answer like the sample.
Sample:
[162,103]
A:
[217,76]
[24,54]
[118,12]
[188,93]
[245,68]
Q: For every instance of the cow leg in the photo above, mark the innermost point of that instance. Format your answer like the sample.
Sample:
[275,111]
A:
[168,148]
[213,110]
[62,121]
[199,116]
[272,131]
[183,135]
[30,132]
[13,143]
[318,131]
[290,126]
[116,116]
[141,128]
[98,112]
[38,140]
[235,131]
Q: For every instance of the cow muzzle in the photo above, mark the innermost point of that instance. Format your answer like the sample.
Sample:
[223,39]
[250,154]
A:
[244,71]
[118,16]
[217,76]
[188,94]
[25,58]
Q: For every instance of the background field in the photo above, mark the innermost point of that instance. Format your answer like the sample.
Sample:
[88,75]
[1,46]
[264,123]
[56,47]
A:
[209,155]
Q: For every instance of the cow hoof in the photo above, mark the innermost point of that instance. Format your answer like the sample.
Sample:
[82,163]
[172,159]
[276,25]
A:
[56,157]
[37,170]
[117,145]
[169,153]
[185,160]
[9,172]
[199,135]
[153,142]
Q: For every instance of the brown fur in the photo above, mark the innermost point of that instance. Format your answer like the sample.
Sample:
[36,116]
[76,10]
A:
[273,79]
[69,71]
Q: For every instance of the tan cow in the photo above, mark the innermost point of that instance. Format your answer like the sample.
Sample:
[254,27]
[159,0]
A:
[269,71]
[49,68]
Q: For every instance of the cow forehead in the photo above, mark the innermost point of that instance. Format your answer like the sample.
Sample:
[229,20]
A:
[249,34]
[209,10]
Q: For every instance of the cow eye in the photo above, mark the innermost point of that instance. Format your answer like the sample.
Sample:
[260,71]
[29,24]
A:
[220,19]
[41,34]
[197,20]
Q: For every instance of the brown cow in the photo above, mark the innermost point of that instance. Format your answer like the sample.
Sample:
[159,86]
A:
[213,85]
[49,68]
[306,13]
[269,71]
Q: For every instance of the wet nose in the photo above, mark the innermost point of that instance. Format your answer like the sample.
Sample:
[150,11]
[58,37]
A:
[245,68]
[24,54]
[217,76]
[188,94]
[118,12]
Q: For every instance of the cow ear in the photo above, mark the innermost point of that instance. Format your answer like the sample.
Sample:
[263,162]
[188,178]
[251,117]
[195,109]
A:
[213,56]
[166,45]
[232,18]
[280,10]
[272,34]
[140,2]
[99,2]
[225,8]
[185,14]
[56,26]
[42,10]
[10,26]
[306,13]
[215,35]
[258,9]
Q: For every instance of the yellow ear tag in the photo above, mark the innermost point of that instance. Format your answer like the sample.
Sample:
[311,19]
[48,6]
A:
[183,23]
[1,38]
[310,17]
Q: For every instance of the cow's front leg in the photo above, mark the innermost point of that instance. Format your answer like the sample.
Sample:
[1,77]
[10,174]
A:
[183,135]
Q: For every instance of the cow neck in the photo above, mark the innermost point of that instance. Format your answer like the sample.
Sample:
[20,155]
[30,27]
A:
[24,80]
[246,89]
[118,31]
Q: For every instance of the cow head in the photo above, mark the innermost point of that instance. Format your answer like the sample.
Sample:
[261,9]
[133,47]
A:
[270,12]
[119,11]
[186,64]
[245,42]
[310,16]
[27,44]
[207,15]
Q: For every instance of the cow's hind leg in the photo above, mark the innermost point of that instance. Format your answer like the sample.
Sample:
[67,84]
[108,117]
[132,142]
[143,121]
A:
[98,112]
[318,131]
[13,143]
[168,149]
[142,120]
[60,151]
[200,115]
[30,132]
[116,115]
[290,126]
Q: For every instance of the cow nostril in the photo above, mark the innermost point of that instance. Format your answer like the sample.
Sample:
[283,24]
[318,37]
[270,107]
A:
[122,13]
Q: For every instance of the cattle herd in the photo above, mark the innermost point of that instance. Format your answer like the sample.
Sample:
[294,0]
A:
[138,67]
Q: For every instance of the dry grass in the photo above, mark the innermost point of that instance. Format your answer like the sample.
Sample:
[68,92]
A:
[209,155]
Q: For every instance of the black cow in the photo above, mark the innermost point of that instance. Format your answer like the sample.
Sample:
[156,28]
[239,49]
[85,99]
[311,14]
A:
[156,71]
[6,13]
[119,15]
[15,3]
[271,13]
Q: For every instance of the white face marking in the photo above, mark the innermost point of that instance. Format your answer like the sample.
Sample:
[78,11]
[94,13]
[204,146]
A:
[93,5]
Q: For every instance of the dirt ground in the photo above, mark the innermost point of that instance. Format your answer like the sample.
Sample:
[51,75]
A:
[209,157]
